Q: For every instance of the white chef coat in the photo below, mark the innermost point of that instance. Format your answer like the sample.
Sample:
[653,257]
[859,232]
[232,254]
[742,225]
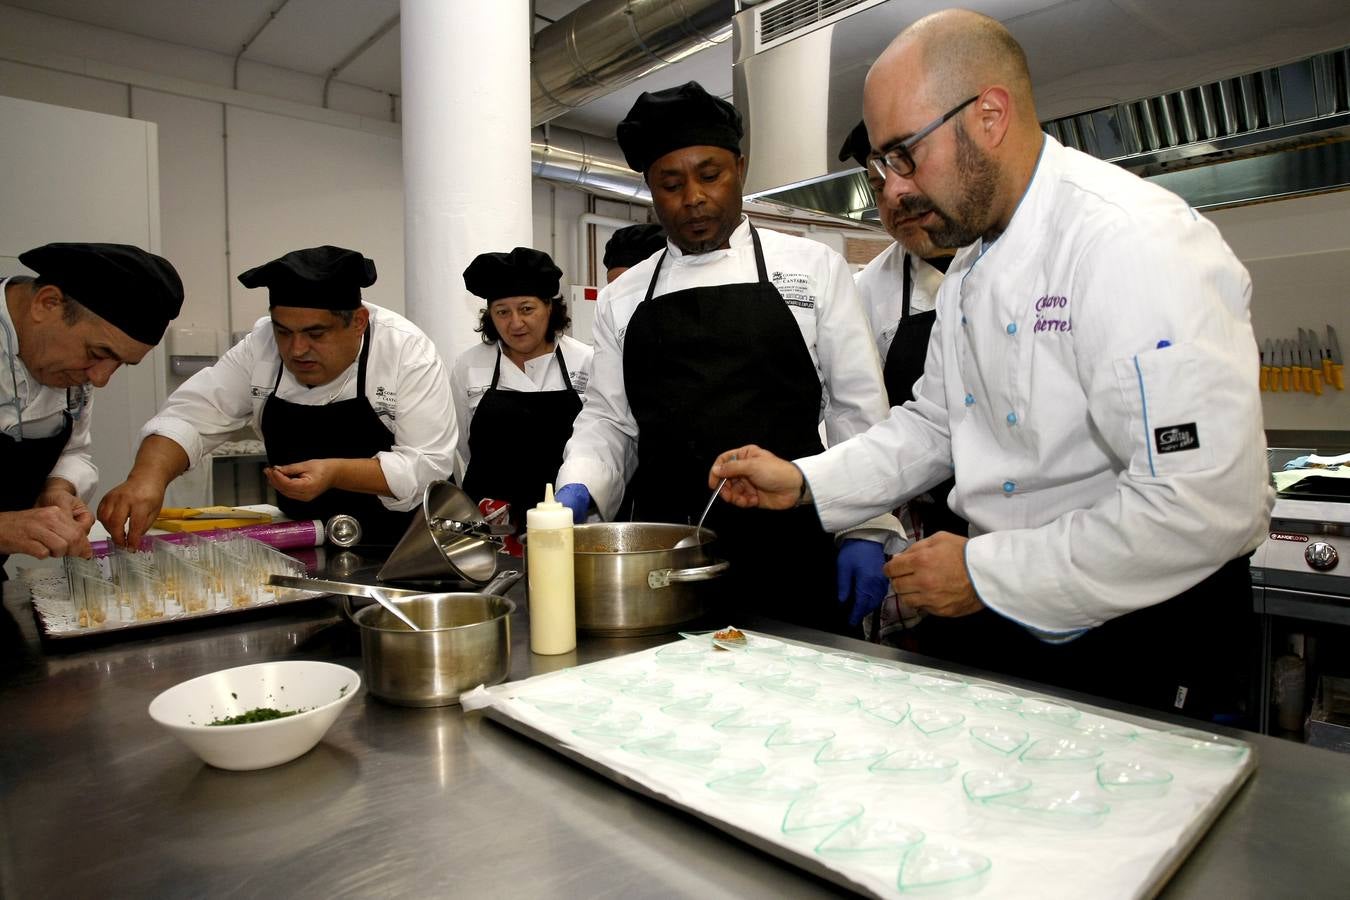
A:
[42,410]
[406,384]
[881,288]
[1102,469]
[819,291]
[471,376]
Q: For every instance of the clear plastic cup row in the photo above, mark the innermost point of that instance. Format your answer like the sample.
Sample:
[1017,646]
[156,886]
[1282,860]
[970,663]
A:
[172,579]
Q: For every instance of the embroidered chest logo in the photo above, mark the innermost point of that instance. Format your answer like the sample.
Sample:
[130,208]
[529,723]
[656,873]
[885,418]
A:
[385,402]
[795,289]
[1175,438]
[259,392]
[1052,314]
[579,381]
[77,400]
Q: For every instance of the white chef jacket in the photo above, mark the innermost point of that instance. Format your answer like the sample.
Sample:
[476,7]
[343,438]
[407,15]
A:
[406,384]
[42,410]
[1092,376]
[471,376]
[881,288]
[816,285]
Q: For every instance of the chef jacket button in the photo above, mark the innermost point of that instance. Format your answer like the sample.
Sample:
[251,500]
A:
[970,399]
[963,320]
[1012,418]
[1009,487]
[1012,328]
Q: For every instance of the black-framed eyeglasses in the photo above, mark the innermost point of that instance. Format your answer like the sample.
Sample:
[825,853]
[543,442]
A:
[898,158]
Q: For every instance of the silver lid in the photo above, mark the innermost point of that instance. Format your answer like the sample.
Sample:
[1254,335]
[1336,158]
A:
[343,531]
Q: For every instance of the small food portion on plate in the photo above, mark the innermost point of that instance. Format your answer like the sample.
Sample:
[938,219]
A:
[728,635]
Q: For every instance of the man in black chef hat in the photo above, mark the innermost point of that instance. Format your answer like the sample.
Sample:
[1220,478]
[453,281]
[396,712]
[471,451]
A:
[351,400]
[90,309]
[730,330]
[898,289]
[629,246]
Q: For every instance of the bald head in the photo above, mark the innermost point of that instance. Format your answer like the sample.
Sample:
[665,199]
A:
[964,52]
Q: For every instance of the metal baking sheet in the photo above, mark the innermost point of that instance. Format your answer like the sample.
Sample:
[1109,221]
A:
[1154,855]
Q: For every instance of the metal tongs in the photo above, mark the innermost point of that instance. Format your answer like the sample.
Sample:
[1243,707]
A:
[441,528]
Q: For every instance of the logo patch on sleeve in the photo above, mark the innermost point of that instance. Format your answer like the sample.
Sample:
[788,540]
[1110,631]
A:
[1175,438]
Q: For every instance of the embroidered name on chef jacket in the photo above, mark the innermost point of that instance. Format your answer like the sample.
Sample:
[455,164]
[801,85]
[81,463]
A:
[1052,314]
[1175,438]
[385,402]
[795,289]
[579,380]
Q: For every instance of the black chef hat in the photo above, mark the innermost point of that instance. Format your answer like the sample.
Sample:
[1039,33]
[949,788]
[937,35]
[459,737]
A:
[138,292]
[857,146]
[678,117]
[630,246]
[521,273]
[315,278]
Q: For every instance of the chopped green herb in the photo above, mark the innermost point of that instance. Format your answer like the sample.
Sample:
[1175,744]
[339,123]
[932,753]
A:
[234,695]
[260,714]
[342,691]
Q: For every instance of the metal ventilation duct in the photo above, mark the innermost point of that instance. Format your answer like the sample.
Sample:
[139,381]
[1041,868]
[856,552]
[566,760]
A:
[583,161]
[605,44]
[799,67]
[1297,114]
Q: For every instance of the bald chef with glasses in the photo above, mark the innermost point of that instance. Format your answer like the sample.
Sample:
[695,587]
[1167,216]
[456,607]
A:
[1093,381]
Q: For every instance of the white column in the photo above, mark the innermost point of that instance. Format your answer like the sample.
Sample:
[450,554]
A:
[466,153]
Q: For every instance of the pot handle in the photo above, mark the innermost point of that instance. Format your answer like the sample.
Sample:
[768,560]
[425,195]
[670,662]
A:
[659,578]
[501,582]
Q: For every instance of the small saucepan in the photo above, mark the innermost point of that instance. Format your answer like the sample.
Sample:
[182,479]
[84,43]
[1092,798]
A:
[465,641]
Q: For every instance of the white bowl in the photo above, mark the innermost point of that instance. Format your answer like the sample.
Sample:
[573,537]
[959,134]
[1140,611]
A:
[320,689]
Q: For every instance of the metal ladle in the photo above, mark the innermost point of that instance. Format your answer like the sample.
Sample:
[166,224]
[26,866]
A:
[691,540]
[380,598]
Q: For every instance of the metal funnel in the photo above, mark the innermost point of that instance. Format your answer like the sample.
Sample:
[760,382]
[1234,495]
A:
[442,541]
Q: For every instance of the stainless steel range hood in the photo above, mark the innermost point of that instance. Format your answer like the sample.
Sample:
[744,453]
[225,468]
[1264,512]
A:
[1222,110]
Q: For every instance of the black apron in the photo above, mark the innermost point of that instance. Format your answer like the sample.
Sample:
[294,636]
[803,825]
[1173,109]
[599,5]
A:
[516,441]
[346,429]
[904,366]
[27,464]
[710,369]
[1192,655]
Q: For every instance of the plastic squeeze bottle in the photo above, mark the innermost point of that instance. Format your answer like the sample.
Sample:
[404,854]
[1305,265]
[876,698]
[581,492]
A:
[552,584]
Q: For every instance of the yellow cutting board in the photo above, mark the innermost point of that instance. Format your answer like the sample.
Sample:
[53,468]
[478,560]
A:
[216,512]
[206,524]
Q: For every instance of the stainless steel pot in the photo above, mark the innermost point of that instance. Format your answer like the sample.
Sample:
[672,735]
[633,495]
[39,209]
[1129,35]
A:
[630,580]
[465,641]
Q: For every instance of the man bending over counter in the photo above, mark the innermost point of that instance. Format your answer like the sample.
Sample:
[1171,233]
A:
[352,402]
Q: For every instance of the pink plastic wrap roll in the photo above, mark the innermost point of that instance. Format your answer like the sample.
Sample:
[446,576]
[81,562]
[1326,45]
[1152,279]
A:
[281,535]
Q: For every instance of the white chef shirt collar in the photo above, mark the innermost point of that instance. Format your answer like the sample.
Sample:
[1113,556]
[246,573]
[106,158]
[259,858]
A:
[1021,201]
[739,237]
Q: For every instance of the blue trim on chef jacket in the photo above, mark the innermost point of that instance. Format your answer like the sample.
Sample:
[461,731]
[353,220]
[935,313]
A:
[1143,404]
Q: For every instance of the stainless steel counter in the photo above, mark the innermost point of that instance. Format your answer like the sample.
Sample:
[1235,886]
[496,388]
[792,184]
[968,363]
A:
[95,799]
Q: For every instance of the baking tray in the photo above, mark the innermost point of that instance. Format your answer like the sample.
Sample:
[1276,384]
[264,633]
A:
[1202,806]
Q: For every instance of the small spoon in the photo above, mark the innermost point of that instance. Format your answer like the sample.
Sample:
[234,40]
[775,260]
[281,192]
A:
[380,598]
[691,540]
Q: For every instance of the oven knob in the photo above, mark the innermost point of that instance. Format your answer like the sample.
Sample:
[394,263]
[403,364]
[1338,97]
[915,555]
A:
[1321,556]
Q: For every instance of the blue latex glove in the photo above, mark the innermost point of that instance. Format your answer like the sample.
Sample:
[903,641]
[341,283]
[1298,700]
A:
[576,498]
[858,574]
